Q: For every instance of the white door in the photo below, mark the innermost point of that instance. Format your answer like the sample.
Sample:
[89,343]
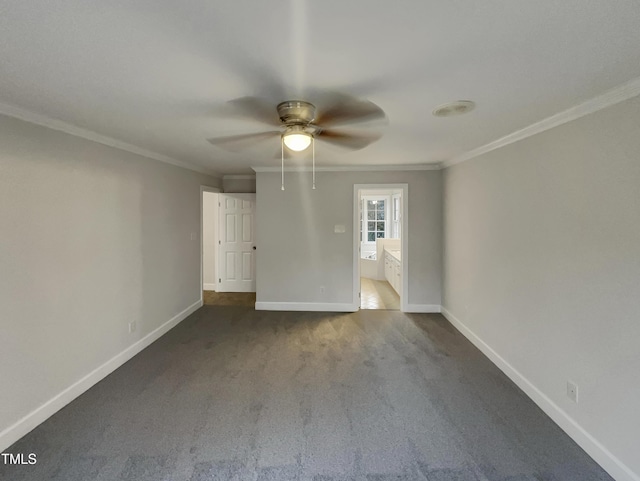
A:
[237,247]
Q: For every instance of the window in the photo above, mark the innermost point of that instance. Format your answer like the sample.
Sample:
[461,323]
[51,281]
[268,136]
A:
[375,220]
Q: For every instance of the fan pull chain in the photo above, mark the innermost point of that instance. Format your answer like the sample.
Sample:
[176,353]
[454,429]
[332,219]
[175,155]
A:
[282,165]
[313,162]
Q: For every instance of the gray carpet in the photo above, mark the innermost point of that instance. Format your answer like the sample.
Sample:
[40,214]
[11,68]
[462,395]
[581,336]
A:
[235,394]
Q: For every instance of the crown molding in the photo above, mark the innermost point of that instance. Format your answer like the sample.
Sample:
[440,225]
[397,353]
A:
[353,168]
[67,128]
[239,177]
[611,97]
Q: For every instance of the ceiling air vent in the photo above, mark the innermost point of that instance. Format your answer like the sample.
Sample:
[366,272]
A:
[454,108]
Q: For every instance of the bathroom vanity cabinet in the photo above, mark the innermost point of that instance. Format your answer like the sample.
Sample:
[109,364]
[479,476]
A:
[393,269]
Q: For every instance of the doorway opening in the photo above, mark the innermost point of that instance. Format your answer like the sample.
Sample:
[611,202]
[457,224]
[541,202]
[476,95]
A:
[380,251]
[227,248]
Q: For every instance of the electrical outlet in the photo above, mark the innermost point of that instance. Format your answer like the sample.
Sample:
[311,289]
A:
[321,289]
[572,391]
[193,236]
[132,326]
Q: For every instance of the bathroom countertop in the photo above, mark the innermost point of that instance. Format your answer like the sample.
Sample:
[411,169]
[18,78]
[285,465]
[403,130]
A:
[395,253]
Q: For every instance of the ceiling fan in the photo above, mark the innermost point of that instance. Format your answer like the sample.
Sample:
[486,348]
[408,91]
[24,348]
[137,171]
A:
[299,123]
[299,126]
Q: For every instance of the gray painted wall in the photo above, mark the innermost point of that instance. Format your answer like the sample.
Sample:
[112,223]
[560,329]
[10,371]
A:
[298,250]
[91,238]
[542,263]
[245,186]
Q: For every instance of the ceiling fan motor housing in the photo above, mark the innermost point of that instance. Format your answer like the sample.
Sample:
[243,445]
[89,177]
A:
[296,112]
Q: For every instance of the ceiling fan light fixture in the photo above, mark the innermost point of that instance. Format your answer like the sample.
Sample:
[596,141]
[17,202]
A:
[297,141]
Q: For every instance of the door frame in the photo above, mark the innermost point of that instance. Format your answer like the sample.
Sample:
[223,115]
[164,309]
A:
[404,242]
[203,189]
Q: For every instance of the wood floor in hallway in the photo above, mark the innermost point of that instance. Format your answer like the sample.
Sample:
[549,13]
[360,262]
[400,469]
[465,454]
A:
[213,298]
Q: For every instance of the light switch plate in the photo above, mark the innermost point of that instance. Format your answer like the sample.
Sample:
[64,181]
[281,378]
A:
[339,229]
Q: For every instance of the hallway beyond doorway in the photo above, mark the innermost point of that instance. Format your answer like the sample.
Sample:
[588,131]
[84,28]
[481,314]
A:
[212,298]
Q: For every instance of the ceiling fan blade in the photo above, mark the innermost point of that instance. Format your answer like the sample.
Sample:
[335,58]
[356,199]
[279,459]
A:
[254,108]
[351,141]
[346,110]
[235,143]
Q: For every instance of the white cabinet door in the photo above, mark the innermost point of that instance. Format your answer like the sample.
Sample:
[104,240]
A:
[237,248]
[398,285]
[391,277]
[394,274]
[387,268]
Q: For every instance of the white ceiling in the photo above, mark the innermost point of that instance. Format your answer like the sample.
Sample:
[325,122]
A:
[156,74]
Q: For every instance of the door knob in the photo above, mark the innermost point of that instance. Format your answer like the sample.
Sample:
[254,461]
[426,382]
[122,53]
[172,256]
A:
[254,247]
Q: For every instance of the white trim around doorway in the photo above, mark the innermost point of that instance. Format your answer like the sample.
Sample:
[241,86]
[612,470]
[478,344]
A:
[203,189]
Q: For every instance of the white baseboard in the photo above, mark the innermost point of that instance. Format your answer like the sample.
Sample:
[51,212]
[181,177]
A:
[610,463]
[306,306]
[335,307]
[209,287]
[423,308]
[14,432]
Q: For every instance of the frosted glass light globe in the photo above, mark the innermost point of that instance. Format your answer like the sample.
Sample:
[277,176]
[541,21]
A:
[297,142]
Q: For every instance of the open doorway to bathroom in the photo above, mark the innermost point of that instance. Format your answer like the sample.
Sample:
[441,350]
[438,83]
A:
[379,231]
